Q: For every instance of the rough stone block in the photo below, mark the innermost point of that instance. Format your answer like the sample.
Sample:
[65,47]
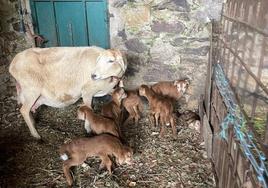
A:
[137,16]
[162,26]
[135,45]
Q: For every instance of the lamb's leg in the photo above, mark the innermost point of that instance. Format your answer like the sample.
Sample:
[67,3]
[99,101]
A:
[87,99]
[137,115]
[106,162]
[156,116]
[151,118]
[130,114]
[69,163]
[129,118]
[25,111]
[173,126]
[163,127]
[87,126]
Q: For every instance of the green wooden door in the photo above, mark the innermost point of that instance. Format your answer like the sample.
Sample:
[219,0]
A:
[71,23]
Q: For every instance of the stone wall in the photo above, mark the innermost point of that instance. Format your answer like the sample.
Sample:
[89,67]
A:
[164,40]
[11,40]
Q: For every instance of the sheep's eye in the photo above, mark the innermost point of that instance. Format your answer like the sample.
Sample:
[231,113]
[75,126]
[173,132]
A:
[110,61]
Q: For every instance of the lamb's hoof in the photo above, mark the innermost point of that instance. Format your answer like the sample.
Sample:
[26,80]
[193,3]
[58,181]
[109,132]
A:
[161,136]
[101,167]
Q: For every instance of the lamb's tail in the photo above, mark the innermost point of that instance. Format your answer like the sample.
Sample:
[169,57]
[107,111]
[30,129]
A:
[140,106]
[63,153]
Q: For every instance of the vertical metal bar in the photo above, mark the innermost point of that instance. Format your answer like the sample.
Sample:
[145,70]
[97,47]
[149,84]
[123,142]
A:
[251,54]
[244,43]
[225,30]
[56,24]
[70,31]
[233,10]
[266,132]
[107,13]
[255,100]
[34,17]
[86,24]
[209,77]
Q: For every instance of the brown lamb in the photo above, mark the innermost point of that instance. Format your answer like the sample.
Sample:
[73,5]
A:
[160,107]
[172,89]
[97,123]
[133,105]
[103,146]
[113,109]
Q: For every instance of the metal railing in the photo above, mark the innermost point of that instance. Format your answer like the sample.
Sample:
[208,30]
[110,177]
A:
[236,127]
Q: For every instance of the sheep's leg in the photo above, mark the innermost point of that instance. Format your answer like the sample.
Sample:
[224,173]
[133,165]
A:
[68,164]
[37,103]
[25,111]
[18,88]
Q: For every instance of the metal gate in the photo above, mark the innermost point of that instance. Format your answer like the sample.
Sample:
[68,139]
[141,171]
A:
[71,23]
[234,109]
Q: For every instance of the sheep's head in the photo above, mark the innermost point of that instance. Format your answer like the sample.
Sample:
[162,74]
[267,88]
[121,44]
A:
[109,63]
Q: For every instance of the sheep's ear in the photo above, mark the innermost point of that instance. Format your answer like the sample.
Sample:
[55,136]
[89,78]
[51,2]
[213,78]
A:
[175,82]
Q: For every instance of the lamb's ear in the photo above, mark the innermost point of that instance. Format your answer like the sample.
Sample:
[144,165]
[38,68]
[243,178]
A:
[121,83]
[81,114]
[175,82]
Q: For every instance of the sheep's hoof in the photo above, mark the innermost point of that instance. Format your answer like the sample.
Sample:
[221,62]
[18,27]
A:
[37,137]
[41,141]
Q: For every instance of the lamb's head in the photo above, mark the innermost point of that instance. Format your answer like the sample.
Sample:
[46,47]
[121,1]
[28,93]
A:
[109,63]
[126,156]
[119,94]
[182,85]
[143,90]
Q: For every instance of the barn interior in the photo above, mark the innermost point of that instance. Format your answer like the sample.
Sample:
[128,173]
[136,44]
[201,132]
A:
[162,40]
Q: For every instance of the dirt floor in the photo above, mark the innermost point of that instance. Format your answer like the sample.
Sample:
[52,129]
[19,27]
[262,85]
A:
[24,162]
